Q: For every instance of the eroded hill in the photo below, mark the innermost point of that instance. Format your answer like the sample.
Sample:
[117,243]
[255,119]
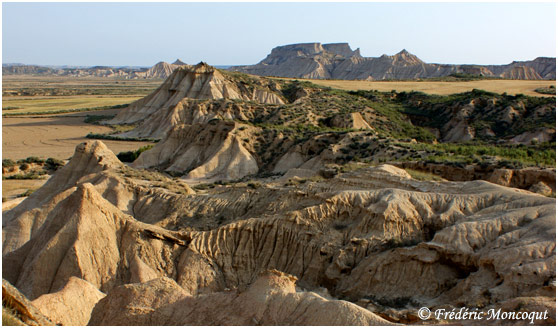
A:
[266,202]
[217,126]
[374,236]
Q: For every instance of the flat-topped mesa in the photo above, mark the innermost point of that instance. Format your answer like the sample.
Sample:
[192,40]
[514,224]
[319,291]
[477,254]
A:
[338,61]
[303,48]
[202,82]
[311,49]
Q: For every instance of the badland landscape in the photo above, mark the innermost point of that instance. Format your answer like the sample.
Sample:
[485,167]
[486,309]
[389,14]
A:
[316,187]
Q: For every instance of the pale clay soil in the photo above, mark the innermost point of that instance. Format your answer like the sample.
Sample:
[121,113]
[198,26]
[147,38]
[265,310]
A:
[53,136]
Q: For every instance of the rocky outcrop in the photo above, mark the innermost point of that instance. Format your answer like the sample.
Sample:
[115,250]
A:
[543,180]
[78,295]
[545,67]
[22,310]
[24,221]
[521,73]
[537,136]
[209,152]
[195,82]
[165,257]
[270,300]
[338,61]
[161,70]
[489,117]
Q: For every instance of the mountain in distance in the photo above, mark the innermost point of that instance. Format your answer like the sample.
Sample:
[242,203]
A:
[339,61]
[161,70]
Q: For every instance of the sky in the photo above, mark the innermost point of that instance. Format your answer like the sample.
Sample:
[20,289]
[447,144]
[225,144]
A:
[142,34]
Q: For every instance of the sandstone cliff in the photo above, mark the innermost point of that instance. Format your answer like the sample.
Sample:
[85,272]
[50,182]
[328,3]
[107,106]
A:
[338,61]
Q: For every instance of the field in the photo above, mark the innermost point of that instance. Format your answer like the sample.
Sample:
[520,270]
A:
[25,133]
[43,105]
[511,87]
[53,136]
[34,94]
[14,188]
[23,85]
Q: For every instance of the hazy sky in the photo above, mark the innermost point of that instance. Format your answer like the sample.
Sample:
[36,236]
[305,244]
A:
[244,33]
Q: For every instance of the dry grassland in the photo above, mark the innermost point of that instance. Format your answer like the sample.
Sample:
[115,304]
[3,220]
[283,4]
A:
[512,87]
[15,105]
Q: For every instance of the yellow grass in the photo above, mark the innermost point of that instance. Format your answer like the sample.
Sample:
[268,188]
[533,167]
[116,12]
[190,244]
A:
[512,87]
[46,104]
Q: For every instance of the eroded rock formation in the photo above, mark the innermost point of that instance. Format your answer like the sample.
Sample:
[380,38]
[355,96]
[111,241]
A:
[373,233]
[338,61]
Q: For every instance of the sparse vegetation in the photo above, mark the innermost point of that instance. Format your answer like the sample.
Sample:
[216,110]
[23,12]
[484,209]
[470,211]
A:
[499,86]
[33,175]
[156,179]
[511,156]
[550,90]
[130,156]
[54,164]
[8,163]
[395,303]
[26,193]
[51,110]
[423,176]
[95,119]
[114,137]
[31,160]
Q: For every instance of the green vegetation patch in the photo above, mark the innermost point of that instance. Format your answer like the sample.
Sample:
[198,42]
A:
[114,137]
[550,90]
[130,156]
[95,119]
[423,176]
[510,156]
[62,111]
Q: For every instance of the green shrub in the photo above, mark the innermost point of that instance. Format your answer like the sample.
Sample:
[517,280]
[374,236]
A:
[31,159]
[8,163]
[130,156]
[95,119]
[26,193]
[54,164]
[34,175]
[113,137]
